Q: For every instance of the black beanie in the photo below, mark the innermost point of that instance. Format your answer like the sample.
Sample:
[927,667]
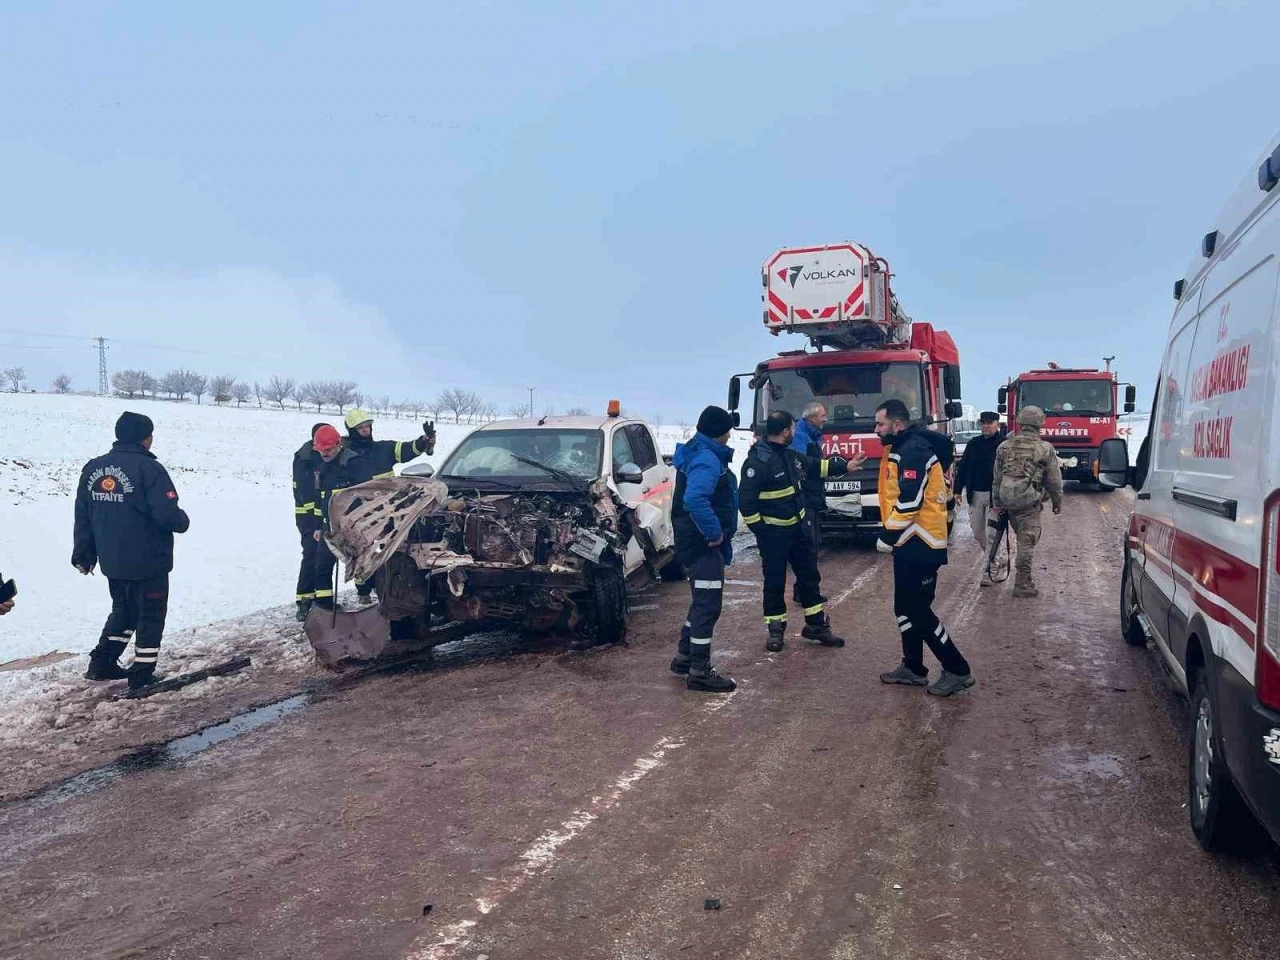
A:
[715,422]
[133,427]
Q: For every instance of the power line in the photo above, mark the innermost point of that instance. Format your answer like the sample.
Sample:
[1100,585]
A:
[102,366]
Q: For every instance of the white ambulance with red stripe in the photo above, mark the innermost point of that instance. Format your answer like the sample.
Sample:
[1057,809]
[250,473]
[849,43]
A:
[1201,578]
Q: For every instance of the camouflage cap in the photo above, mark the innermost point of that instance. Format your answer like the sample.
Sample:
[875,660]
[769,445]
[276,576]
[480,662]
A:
[1031,417]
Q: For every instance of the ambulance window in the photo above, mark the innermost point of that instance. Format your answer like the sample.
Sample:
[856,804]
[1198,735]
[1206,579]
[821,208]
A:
[1171,402]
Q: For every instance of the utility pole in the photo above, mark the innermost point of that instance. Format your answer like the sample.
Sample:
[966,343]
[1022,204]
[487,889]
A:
[531,401]
[102,365]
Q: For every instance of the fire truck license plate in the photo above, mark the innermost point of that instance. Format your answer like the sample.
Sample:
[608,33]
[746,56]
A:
[844,486]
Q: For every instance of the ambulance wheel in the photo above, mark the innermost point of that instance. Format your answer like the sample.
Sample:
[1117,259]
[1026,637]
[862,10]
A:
[1130,627]
[1216,810]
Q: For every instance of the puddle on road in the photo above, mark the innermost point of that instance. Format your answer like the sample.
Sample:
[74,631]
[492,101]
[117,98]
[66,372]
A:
[164,755]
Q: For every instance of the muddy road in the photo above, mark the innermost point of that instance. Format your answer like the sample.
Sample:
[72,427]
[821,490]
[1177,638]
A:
[514,803]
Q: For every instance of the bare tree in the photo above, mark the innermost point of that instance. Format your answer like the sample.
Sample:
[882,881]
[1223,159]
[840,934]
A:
[62,383]
[518,410]
[686,429]
[342,394]
[220,386]
[259,393]
[577,412]
[313,392]
[382,405]
[452,401]
[149,385]
[177,383]
[128,383]
[400,408]
[240,392]
[549,410]
[279,390]
[198,384]
[16,377]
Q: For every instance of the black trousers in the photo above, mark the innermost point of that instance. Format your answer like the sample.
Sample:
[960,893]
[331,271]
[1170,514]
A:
[706,583]
[790,547]
[324,567]
[138,611]
[914,587]
[307,570]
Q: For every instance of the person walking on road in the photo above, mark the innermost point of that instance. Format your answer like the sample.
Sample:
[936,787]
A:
[913,505]
[704,516]
[1027,473]
[126,515]
[974,475]
[306,514]
[773,508]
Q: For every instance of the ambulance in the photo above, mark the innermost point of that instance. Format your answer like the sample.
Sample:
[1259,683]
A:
[1201,575]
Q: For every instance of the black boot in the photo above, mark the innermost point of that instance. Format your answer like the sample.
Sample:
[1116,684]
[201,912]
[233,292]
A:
[777,636]
[105,667]
[680,662]
[140,677]
[822,633]
[304,607]
[702,676]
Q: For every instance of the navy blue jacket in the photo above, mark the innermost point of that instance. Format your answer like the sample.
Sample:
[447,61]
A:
[126,515]
[705,505]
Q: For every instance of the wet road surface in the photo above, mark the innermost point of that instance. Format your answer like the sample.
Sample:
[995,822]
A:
[531,804]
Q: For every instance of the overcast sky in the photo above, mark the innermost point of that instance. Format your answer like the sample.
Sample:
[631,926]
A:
[579,197]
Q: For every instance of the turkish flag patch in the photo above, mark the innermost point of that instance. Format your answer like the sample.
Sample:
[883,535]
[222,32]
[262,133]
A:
[172,495]
[910,475]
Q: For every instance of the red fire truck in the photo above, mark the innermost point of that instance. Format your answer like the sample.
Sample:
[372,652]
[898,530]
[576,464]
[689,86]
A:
[1080,410]
[863,350]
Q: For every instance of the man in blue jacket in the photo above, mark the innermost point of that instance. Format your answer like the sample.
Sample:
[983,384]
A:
[126,515]
[704,517]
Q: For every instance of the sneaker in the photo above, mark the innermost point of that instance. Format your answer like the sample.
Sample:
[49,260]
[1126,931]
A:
[1026,591]
[680,663]
[986,580]
[105,670]
[708,681]
[950,683]
[906,676]
[822,633]
[777,637]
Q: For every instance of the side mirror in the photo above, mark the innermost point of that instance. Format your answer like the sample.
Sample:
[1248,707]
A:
[1130,398]
[423,470]
[951,381]
[953,410]
[1002,396]
[1002,408]
[1113,463]
[735,393]
[628,473]
[737,420]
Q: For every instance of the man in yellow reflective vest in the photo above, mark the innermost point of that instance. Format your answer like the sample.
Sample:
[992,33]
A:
[771,498]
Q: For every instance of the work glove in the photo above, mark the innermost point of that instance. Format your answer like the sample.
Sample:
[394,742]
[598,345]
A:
[429,437]
[837,466]
[883,545]
[726,551]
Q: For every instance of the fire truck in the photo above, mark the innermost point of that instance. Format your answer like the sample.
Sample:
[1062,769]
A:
[862,349]
[1080,412]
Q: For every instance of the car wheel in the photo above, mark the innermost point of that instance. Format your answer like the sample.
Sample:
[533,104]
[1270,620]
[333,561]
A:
[1130,627]
[608,600]
[1217,814]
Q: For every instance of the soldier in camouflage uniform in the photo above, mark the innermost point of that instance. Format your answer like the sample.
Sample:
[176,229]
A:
[1026,474]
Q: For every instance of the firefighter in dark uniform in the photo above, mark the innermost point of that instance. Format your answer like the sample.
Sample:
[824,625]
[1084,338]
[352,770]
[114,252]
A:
[773,506]
[332,475]
[372,459]
[913,504]
[126,515]
[704,517]
[306,514]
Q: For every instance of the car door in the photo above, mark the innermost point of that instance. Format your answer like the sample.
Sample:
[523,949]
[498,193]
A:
[621,454]
[1153,510]
[658,484]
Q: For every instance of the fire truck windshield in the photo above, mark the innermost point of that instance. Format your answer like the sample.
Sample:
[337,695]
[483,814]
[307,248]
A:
[1078,397]
[850,393]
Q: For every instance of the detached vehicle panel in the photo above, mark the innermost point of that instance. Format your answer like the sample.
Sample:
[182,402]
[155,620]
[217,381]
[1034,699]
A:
[536,523]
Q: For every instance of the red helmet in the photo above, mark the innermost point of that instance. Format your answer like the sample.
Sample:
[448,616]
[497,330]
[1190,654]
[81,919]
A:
[326,438]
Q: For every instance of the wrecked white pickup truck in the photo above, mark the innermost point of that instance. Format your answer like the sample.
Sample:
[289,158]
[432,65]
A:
[536,523]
